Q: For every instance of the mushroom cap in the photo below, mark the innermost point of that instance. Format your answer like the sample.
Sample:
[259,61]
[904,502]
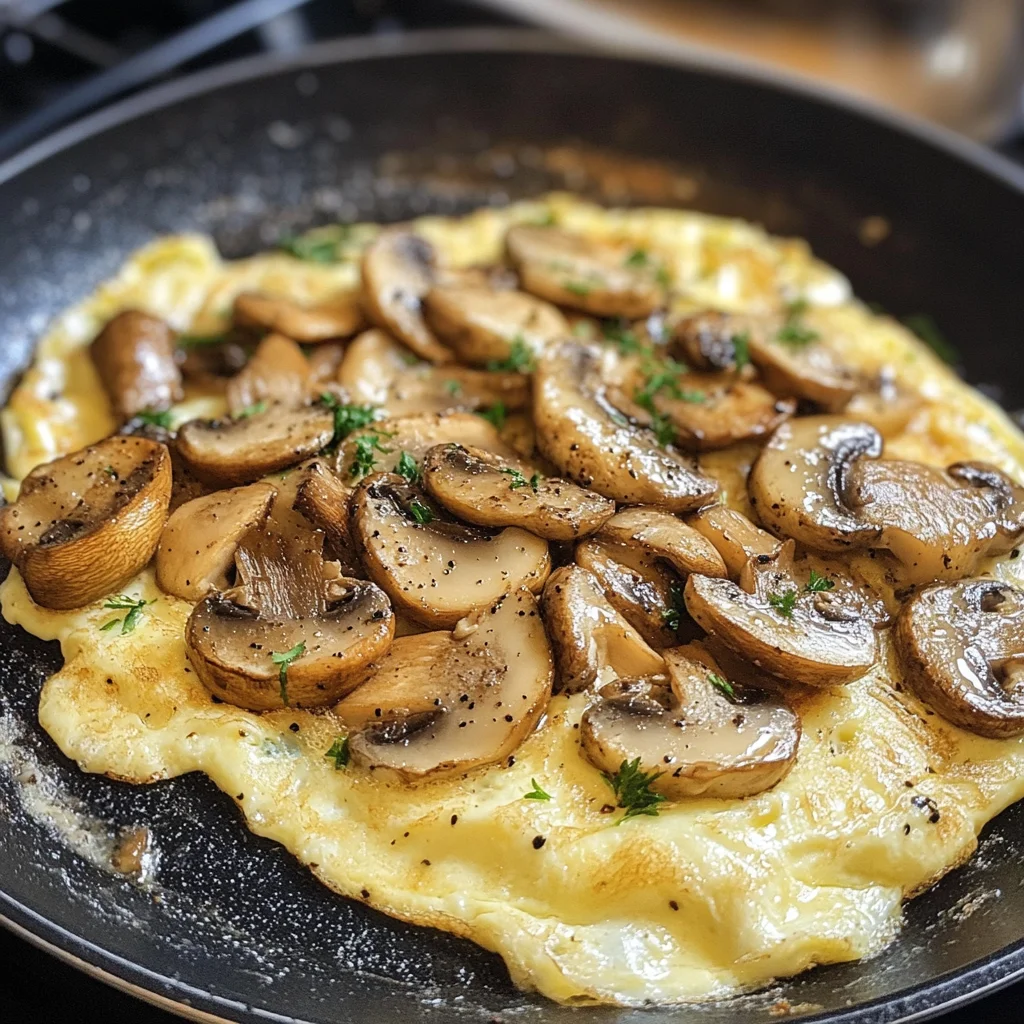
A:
[800,484]
[198,543]
[665,536]
[323,499]
[708,340]
[134,356]
[481,323]
[228,452]
[961,649]
[734,536]
[86,523]
[398,271]
[438,570]
[824,638]
[594,446]
[277,372]
[582,273]
[442,704]
[484,489]
[703,742]
[340,317]
[593,643]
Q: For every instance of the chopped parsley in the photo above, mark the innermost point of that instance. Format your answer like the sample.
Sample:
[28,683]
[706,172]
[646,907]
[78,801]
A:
[420,512]
[110,471]
[632,789]
[672,616]
[251,410]
[133,606]
[623,335]
[347,417]
[661,275]
[817,584]
[320,246]
[927,330]
[200,340]
[494,414]
[721,683]
[453,387]
[536,793]
[517,481]
[637,258]
[741,349]
[794,331]
[364,460]
[284,660]
[155,417]
[408,468]
[519,359]
[339,753]
[580,288]
[664,432]
[535,482]
[663,375]
[783,603]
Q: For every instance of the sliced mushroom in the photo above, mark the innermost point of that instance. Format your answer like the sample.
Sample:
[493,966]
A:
[481,488]
[398,271]
[734,536]
[134,356]
[339,317]
[86,523]
[378,371]
[433,568]
[711,341]
[481,324]
[664,536]
[582,273]
[816,637]
[593,643]
[292,633]
[277,373]
[442,704]
[198,544]
[226,452]
[886,405]
[961,649]
[704,737]
[323,499]
[595,446]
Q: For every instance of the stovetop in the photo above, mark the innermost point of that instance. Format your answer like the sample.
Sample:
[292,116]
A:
[48,49]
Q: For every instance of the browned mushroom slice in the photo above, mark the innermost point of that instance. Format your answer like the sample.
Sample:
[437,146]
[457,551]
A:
[961,649]
[433,568]
[444,703]
[241,451]
[198,544]
[711,341]
[582,273]
[398,271]
[292,633]
[339,317]
[886,405]
[705,736]
[786,625]
[486,490]
[481,324]
[595,446]
[323,499]
[134,356]
[277,373]
[734,536]
[86,523]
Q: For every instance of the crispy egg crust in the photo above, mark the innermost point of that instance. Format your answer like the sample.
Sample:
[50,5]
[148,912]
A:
[709,897]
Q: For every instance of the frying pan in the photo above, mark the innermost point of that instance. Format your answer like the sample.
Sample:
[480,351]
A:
[232,928]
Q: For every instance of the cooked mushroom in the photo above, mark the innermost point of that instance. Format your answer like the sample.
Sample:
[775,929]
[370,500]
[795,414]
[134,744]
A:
[86,523]
[885,404]
[597,447]
[640,557]
[597,277]
[226,452]
[323,499]
[433,568]
[487,490]
[443,703]
[134,356]
[398,271]
[783,624]
[593,643]
[734,536]
[817,481]
[198,543]
[293,633]
[961,649]
[704,737]
[378,371]
[339,317]
[711,341]
[278,372]
[481,324]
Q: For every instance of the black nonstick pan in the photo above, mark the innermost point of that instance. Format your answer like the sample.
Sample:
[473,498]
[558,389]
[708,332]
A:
[230,927]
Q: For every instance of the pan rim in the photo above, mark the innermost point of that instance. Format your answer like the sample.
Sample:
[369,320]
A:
[941,994]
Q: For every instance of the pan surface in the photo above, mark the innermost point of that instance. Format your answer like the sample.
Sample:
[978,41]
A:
[229,927]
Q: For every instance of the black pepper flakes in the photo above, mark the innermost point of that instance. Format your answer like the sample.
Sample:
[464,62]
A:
[455,818]
[538,842]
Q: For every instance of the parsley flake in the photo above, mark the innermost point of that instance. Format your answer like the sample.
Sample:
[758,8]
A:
[347,417]
[453,387]
[620,332]
[783,603]
[339,753]
[664,432]
[364,460]
[423,514]
[632,789]
[156,418]
[580,288]
[517,481]
[741,349]
[284,660]
[519,359]
[818,584]
[319,246]
[408,468]
[535,482]
[133,606]
[110,471]
[251,410]
[673,615]
[794,331]
[494,414]
[721,683]
[536,793]
[637,258]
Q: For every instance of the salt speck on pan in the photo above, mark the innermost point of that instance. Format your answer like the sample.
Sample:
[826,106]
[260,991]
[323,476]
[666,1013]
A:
[285,135]
[81,221]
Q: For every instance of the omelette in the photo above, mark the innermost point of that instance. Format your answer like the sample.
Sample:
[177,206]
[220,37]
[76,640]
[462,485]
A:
[724,560]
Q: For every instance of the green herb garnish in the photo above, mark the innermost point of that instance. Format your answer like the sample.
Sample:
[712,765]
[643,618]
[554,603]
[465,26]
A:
[519,359]
[794,331]
[338,753]
[364,460]
[453,387]
[722,684]
[420,512]
[632,789]
[494,414]
[347,417]
[580,288]
[155,418]
[536,793]
[927,330]
[619,332]
[783,603]
[408,467]
[673,615]
[535,482]
[664,432]
[818,584]
[318,246]
[251,410]
[132,605]
[637,258]
[284,660]
[110,471]
[741,349]
[517,481]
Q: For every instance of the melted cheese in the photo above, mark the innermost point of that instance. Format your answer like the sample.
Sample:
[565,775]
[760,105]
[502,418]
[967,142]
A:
[706,898]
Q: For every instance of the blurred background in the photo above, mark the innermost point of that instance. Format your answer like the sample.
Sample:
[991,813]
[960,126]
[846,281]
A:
[956,62]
